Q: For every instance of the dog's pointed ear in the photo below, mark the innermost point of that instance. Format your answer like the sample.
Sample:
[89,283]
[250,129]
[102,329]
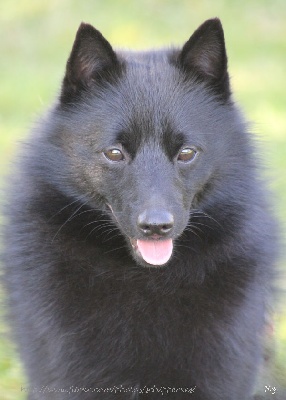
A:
[205,55]
[90,58]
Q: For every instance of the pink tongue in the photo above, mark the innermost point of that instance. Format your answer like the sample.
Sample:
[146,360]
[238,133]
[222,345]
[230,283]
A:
[155,252]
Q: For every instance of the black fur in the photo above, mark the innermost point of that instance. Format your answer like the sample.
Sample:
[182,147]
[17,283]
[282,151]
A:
[87,310]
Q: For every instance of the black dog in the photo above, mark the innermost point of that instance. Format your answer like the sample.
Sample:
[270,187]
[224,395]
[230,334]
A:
[140,246]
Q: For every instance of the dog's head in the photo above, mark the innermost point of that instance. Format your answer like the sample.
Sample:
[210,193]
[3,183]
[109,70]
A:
[149,135]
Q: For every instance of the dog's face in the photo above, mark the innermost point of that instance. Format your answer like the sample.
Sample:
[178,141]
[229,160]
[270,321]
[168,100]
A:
[146,135]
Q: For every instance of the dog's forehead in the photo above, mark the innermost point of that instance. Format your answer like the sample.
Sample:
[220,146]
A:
[151,78]
[150,92]
[152,101]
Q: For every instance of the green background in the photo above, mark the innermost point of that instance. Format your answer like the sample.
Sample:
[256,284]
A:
[36,38]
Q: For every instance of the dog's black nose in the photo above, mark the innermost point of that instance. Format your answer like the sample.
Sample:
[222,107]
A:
[155,222]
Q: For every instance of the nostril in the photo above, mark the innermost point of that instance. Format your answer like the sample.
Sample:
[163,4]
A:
[145,228]
[166,228]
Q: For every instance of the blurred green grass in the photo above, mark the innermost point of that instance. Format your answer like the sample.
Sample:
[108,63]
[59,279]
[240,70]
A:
[36,37]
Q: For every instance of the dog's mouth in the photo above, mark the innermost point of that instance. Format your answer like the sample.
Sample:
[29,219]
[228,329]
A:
[153,252]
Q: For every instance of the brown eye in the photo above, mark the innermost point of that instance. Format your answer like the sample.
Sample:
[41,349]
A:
[114,155]
[187,154]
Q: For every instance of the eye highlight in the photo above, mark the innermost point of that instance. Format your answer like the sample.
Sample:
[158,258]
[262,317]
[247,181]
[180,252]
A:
[115,155]
[187,155]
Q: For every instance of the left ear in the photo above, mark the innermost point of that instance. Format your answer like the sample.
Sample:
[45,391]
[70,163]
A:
[205,54]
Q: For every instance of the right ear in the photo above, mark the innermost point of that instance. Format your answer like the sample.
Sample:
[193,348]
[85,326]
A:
[90,58]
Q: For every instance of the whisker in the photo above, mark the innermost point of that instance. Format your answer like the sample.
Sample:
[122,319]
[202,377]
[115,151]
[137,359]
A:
[190,226]
[190,230]
[69,219]
[199,223]
[180,245]
[116,248]
[98,228]
[85,211]
[97,220]
[63,208]
[198,213]
[112,236]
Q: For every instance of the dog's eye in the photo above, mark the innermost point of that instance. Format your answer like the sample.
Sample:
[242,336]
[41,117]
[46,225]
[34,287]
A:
[187,154]
[114,155]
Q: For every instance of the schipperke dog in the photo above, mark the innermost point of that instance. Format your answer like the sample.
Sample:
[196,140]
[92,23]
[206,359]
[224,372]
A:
[139,241]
